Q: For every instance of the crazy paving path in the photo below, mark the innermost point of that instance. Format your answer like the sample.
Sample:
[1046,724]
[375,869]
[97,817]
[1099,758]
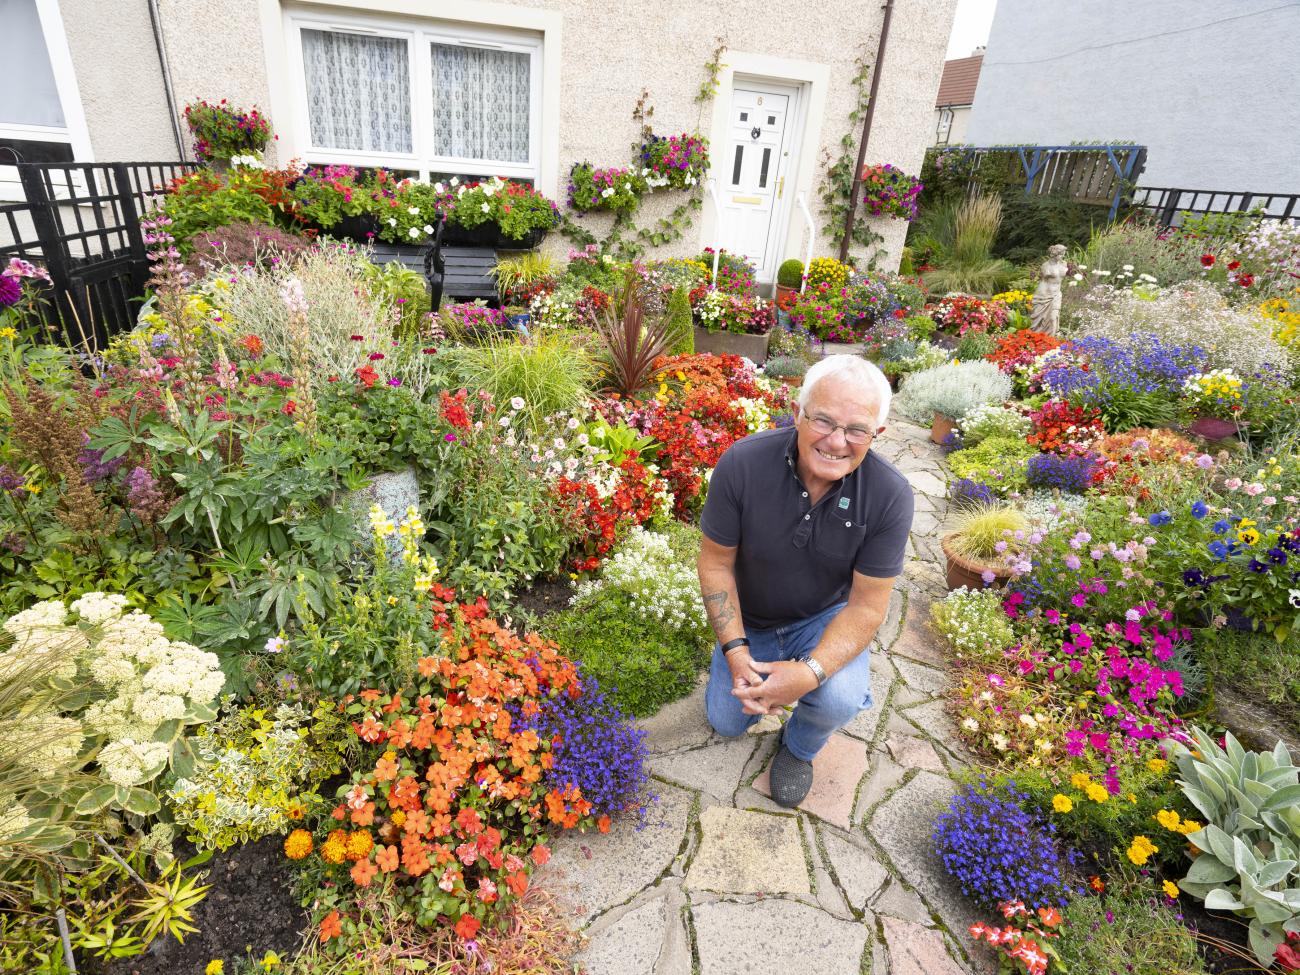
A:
[722,881]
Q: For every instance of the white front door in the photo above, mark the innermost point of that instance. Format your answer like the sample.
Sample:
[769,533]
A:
[750,172]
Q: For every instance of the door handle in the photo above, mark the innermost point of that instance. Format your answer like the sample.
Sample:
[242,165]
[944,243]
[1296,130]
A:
[780,188]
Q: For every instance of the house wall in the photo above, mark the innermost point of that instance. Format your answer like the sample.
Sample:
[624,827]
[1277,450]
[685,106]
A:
[607,53]
[1209,88]
[957,131]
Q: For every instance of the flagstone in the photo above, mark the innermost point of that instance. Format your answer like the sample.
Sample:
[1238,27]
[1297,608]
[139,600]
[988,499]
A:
[926,482]
[743,852]
[775,936]
[593,872]
[859,873]
[837,770]
[714,769]
[915,950]
[681,724]
[629,946]
[911,752]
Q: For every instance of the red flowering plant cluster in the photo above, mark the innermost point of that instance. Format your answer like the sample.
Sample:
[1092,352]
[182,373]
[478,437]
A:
[1020,349]
[959,314]
[1065,429]
[450,806]
[1026,937]
[600,521]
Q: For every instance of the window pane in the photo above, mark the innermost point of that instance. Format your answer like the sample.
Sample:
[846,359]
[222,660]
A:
[358,91]
[28,95]
[481,103]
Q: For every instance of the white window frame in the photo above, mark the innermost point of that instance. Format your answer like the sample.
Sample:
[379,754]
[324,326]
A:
[73,131]
[418,34]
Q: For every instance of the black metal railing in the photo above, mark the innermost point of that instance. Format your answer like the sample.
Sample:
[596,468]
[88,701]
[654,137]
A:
[81,222]
[1168,205]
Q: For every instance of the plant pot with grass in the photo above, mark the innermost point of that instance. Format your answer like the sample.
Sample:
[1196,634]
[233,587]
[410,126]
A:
[788,369]
[971,549]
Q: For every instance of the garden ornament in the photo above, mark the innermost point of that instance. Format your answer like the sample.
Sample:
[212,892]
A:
[1046,312]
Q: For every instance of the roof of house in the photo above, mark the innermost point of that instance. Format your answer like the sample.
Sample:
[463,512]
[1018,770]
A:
[957,86]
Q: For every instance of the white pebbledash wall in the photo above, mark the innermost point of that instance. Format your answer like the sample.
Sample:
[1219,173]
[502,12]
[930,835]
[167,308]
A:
[1210,89]
[598,57]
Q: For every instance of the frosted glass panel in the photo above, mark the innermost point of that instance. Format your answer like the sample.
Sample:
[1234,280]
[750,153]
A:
[28,95]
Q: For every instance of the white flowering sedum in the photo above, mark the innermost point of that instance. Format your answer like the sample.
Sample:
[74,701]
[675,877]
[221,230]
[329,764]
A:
[655,583]
[141,681]
[993,420]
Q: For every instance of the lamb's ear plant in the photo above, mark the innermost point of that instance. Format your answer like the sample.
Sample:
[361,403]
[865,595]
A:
[1249,859]
[953,389]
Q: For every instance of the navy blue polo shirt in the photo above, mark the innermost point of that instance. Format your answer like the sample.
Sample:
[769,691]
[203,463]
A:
[797,559]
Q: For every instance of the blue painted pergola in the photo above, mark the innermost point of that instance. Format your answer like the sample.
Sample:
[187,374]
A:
[1126,161]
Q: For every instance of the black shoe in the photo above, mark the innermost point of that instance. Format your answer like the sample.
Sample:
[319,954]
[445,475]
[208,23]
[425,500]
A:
[790,778]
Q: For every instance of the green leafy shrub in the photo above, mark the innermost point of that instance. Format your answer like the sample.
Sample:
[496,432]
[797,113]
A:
[785,367]
[255,773]
[999,462]
[1031,224]
[206,200]
[405,290]
[640,628]
[790,273]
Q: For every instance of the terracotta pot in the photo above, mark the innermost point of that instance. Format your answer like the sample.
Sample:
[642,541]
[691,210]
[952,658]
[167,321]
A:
[941,427]
[752,347]
[786,297]
[967,572]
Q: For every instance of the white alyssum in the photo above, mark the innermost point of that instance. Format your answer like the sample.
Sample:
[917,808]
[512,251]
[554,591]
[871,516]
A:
[654,582]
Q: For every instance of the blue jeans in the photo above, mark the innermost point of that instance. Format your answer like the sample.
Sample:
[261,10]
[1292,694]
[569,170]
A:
[819,713]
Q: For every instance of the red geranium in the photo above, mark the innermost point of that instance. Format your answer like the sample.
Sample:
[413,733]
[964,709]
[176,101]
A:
[367,375]
[1207,260]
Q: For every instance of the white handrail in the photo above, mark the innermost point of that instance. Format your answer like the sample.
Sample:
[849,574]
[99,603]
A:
[812,235]
[717,251]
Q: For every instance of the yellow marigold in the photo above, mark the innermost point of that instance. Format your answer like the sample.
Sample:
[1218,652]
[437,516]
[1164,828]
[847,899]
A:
[1170,889]
[1097,793]
[1157,765]
[359,845]
[1062,803]
[1168,819]
[335,847]
[398,817]
[215,967]
[1189,826]
[297,844]
[1080,780]
[1140,850]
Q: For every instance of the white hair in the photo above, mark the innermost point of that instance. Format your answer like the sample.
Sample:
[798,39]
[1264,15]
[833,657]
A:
[854,368]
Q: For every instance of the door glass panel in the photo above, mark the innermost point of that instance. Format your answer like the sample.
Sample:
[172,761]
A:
[771,120]
[744,116]
[735,167]
[762,173]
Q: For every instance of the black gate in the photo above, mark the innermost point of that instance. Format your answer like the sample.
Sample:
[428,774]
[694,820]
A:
[81,222]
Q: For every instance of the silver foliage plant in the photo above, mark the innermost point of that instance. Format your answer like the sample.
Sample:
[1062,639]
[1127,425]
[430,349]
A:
[953,389]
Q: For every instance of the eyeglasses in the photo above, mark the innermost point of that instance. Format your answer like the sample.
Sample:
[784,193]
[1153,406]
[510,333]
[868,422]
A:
[824,426]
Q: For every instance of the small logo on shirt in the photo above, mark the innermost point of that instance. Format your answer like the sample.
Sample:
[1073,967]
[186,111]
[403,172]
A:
[844,504]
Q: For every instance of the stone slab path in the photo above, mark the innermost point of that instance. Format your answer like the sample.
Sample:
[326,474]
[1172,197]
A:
[722,881]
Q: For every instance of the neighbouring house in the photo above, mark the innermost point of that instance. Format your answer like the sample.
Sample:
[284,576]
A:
[956,95]
[1209,89]
[522,89]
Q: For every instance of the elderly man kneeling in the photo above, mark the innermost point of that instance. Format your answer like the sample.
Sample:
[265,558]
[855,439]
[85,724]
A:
[804,534]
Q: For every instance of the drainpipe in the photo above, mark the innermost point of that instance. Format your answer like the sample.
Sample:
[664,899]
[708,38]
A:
[866,131]
[155,18]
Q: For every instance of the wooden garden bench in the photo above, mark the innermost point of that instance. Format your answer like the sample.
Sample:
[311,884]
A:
[457,271]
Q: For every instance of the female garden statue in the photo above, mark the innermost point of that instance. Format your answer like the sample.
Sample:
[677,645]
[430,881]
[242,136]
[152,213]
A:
[1046,312]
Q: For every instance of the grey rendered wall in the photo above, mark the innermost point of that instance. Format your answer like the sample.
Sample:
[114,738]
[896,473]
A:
[1211,88]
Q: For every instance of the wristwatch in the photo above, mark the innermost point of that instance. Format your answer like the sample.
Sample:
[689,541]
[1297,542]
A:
[816,668]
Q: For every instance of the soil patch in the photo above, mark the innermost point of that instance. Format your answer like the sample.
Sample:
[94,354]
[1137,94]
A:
[1216,926]
[546,596]
[250,908]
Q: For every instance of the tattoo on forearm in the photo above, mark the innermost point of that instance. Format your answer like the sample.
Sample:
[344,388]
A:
[719,609]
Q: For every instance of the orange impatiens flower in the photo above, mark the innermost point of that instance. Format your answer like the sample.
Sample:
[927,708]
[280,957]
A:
[364,816]
[330,926]
[363,871]
[387,859]
[385,770]
[517,882]
[467,927]
[541,854]
[428,666]
[603,824]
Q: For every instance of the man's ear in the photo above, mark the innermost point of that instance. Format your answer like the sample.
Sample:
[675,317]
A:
[794,410]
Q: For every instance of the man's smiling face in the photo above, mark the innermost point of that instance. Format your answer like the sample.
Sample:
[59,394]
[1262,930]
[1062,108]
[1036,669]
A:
[827,457]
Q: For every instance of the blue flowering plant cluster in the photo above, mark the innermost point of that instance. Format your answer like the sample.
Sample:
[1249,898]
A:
[1059,472]
[997,850]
